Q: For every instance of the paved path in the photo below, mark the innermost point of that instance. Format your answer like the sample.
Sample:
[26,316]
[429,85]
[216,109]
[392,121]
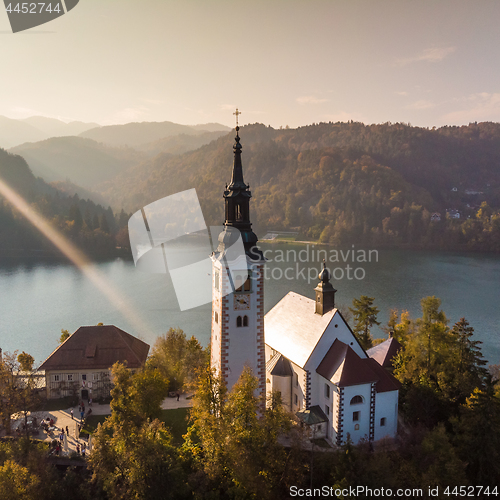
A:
[184,402]
[63,419]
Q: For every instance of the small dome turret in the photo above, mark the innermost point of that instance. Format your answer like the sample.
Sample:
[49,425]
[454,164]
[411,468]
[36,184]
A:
[324,275]
[325,293]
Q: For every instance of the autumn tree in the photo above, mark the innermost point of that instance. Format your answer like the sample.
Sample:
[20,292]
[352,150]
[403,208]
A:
[477,434]
[25,361]
[64,335]
[133,455]
[235,440]
[17,387]
[177,358]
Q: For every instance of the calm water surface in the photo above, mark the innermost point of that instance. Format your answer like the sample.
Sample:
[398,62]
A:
[36,301]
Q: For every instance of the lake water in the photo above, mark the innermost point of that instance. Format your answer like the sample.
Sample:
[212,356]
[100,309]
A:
[37,300]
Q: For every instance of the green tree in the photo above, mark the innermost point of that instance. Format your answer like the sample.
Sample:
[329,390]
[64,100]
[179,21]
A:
[235,440]
[17,483]
[17,387]
[136,397]
[25,361]
[140,465]
[365,316]
[477,435]
[64,335]
[133,456]
[179,359]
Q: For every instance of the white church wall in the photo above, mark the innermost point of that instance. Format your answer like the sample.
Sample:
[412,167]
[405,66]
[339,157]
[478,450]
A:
[284,386]
[217,316]
[336,329]
[363,431]
[386,406]
[299,381]
[242,341]
[318,395]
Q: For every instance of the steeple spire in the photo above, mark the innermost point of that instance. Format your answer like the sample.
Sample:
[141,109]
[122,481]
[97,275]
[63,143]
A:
[237,199]
[237,177]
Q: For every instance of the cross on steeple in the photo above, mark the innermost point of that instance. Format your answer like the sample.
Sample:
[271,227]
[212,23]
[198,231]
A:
[237,113]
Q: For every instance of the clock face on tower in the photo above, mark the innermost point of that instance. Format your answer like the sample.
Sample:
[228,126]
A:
[241,302]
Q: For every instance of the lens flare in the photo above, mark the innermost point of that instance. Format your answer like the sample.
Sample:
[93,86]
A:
[77,257]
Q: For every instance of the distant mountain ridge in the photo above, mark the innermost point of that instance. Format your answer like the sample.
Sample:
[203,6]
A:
[83,161]
[138,133]
[37,128]
[179,144]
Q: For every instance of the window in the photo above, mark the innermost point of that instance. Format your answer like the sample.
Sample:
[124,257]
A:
[238,321]
[84,376]
[296,399]
[327,391]
[327,410]
[95,376]
[217,280]
[355,416]
[356,427]
[296,377]
[239,215]
[382,422]
[245,320]
[70,377]
[216,316]
[356,400]
[319,428]
[56,378]
[239,286]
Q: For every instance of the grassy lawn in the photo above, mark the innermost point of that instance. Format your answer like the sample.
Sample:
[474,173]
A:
[59,404]
[283,237]
[92,421]
[176,421]
[322,443]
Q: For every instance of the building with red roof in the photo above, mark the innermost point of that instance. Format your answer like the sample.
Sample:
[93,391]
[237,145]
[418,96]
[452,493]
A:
[81,365]
[323,374]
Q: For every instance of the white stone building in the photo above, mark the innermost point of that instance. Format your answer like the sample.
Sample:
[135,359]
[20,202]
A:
[323,373]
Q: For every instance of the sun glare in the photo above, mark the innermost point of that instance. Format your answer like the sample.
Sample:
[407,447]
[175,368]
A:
[76,256]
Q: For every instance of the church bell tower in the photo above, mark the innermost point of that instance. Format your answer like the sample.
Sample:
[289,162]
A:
[237,338]
[325,293]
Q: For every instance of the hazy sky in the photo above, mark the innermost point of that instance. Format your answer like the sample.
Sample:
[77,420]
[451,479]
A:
[280,62]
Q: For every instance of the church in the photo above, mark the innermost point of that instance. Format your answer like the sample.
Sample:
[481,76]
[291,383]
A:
[302,347]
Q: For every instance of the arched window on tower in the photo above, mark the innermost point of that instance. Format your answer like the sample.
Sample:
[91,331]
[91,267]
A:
[357,400]
[245,320]
[239,214]
[238,321]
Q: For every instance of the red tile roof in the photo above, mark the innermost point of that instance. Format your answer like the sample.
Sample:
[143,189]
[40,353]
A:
[97,347]
[349,369]
[386,381]
[385,351]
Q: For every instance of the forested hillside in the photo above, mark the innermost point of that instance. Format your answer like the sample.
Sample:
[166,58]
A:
[95,229]
[344,183]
